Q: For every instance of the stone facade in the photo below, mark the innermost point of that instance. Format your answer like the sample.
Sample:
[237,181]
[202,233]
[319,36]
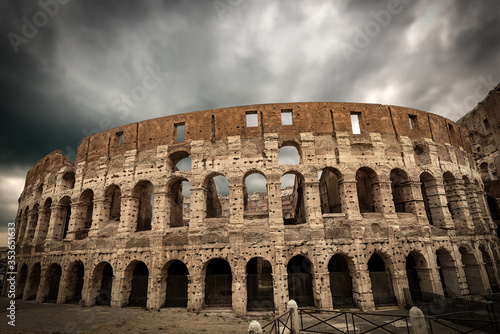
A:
[483,130]
[399,205]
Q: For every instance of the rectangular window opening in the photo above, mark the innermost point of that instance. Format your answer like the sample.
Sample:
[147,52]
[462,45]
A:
[356,128]
[252,119]
[179,132]
[119,138]
[486,123]
[286,117]
[413,121]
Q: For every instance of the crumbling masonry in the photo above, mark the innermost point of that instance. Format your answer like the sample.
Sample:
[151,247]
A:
[382,202]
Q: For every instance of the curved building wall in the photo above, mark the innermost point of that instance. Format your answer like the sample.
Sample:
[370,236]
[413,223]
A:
[399,205]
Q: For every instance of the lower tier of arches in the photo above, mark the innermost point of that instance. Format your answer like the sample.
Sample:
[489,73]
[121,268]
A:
[251,278]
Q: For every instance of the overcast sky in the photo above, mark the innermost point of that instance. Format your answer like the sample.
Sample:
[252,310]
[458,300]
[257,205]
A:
[70,68]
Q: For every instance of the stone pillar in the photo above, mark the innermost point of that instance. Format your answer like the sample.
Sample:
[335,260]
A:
[236,205]
[462,279]
[417,321]
[365,296]
[382,193]
[100,215]
[435,280]
[120,290]
[42,226]
[31,225]
[399,282]
[76,220]
[323,290]
[438,205]
[56,224]
[413,195]
[87,287]
[197,207]
[349,197]
[458,202]
[63,286]
[161,212]
[280,288]
[473,204]
[312,206]
[196,292]
[128,215]
[239,296]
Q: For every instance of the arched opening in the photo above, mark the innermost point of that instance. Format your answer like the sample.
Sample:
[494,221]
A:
[490,270]
[180,203]
[292,199]
[300,281]
[23,224]
[85,212]
[340,281]
[486,173]
[400,197]
[139,284]
[255,194]
[329,188]
[21,281]
[63,217]
[447,273]
[180,161]
[380,276]
[428,187]
[36,272]
[419,277]
[421,154]
[74,283]
[472,272]
[365,182]
[103,281]
[260,295]
[493,206]
[44,223]
[218,284]
[217,197]
[289,155]
[113,199]
[144,194]
[39,191]
[52,280]
[68,180]
[177,285]
[32,222]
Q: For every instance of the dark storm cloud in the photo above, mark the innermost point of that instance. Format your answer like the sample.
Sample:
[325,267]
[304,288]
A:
[72,78]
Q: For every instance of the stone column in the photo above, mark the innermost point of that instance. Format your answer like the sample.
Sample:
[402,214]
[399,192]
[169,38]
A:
[100,215]
[120,290]
[473,203]
[76,220]
[197,207]
[42,226]
[128,215]
[364,296]
[349,197]
[239,296]
[31,226]
[63,286]
[413,195]
[312,204]
[438,205]
[323,290]
[196,292]
[382,193]
[56,224]
[457,200]
[161,212]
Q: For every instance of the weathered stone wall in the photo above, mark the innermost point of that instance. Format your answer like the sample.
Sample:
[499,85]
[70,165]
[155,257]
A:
[397,160]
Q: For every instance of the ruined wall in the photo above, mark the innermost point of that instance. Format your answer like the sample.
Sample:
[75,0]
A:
[424,150]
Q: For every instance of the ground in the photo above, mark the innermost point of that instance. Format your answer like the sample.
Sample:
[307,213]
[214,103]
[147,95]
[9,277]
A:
[32,317]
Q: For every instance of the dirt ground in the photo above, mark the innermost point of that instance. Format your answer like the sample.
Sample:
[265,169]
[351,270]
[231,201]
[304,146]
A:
[32,317]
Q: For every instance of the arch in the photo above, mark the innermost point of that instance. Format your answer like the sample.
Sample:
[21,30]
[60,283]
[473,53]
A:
[490,269]
[84,215]
[365,182]
[143,193]
[340,281]
[74,283]
[447,273]
[472,272]
[63,217]
[137,279]
[493,206]
[68,180]
[218,283]
[486,172]
[292,198]
[112,199]
[32,222]
[21,281]
[52,280]
[381,280]
[180,203]
[300,281]
[180,161]
[329,189]
[289,154]
[421,154]
[102,284]
[44,222]
[176,294]
[399,183]
[260,296]
[216,196]
[427,187]
[255,193]
[34,281]
[418,276]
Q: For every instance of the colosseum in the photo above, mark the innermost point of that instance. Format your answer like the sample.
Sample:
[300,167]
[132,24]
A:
[334,205]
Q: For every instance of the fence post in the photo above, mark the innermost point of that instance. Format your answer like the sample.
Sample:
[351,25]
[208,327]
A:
[417,321]
[294,317]
[254,328]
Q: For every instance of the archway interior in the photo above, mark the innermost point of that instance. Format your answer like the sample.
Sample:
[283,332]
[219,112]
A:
[218,284]
[255,194]
[104,295]
[300,286]
[180,203]
[217,197]
[447,273]
[340,281]
[139,293]
[365,180]
[177,285]
[259,285]
[75,284]
[35,282]
[490,270]
[382,290]
[53,280]
[329,186]
[472,272]
[413,279]
[292,199]
[21,282]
